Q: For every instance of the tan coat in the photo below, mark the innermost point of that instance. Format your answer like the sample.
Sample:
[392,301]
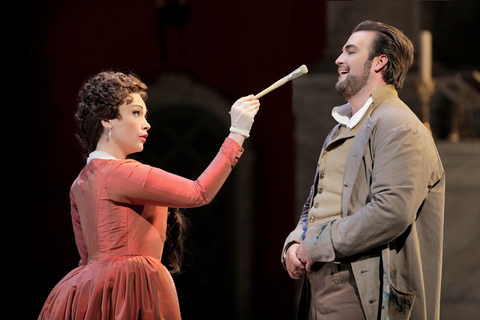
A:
[392,202]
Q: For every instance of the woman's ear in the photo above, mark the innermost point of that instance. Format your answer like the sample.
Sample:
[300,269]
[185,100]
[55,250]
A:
[106,124]
[380,62]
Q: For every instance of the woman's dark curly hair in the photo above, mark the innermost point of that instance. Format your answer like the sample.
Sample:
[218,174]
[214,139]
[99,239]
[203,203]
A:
[177,225]
[99,99]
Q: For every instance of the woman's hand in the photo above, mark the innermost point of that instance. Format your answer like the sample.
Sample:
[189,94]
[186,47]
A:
[242,115]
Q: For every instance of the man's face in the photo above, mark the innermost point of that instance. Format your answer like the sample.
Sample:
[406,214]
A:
[354,65]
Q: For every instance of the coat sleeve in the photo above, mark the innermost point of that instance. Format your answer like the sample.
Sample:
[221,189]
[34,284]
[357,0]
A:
[134,183]
[403,160]
[298,234]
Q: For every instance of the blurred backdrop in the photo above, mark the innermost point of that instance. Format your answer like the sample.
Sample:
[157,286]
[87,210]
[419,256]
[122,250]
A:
[198,57]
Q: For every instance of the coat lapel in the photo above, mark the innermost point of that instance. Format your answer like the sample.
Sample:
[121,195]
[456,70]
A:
[354,159]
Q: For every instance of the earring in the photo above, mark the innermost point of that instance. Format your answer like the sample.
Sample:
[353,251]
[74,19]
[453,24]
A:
[109,127]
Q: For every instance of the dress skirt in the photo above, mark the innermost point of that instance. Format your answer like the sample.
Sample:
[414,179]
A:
[121,287]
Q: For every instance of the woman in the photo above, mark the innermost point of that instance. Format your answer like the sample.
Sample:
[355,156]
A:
[120,207]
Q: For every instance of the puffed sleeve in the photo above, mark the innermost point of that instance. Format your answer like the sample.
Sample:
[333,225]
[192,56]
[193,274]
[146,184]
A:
[135,183]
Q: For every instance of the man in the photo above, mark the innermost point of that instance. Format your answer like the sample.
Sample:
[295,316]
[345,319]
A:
[369,240]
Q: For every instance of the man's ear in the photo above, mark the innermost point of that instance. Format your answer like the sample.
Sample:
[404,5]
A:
[380,62]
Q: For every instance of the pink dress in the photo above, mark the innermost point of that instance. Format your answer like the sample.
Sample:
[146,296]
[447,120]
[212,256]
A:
[119,214]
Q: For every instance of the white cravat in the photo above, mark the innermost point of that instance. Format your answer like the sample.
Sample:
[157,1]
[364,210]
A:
[343,114]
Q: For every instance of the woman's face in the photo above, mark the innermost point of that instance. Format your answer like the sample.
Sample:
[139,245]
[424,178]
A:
[129,130]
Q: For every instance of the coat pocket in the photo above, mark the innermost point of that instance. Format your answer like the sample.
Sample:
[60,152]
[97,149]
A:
[400,304]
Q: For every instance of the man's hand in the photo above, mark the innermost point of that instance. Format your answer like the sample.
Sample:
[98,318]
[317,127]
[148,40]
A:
[303,257]
[295,267]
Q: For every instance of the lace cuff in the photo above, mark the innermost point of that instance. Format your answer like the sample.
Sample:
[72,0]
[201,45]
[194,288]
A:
[232,150]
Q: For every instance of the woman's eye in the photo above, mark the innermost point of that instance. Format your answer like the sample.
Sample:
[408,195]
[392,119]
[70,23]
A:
[136,113]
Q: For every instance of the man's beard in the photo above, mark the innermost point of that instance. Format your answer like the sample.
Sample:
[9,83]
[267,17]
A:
[352,84]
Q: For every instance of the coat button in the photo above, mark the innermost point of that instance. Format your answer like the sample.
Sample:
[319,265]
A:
[311,219]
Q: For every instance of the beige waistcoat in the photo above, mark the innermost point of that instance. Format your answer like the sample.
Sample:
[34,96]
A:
[331,168]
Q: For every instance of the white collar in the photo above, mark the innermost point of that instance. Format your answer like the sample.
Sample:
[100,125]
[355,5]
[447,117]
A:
[99,155]
[343,114]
